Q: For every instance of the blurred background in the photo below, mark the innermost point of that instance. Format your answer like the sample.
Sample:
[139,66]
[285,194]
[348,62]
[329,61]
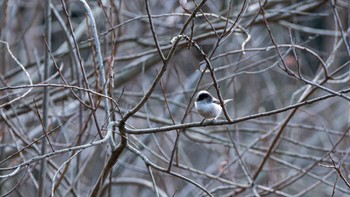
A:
[271,57]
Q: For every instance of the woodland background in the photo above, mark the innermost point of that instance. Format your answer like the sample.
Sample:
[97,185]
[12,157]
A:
[96,97]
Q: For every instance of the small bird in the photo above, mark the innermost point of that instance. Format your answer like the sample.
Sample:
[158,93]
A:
[208,106]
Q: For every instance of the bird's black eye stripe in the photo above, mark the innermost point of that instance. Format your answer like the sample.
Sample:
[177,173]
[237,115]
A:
[216,102]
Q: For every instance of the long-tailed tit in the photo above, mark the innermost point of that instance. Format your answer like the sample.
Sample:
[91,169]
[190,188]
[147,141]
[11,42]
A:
[208,106]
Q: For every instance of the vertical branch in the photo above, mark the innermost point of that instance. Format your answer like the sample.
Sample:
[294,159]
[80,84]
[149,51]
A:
[153,31]
[153,180]
[101,66]
[173,121]
[339,23]
[116,151]
[42,175]
[78,61]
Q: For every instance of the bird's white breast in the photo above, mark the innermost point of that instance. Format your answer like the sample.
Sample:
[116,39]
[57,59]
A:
[208,110]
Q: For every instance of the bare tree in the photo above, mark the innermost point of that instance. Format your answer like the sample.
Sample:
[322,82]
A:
[97,98]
